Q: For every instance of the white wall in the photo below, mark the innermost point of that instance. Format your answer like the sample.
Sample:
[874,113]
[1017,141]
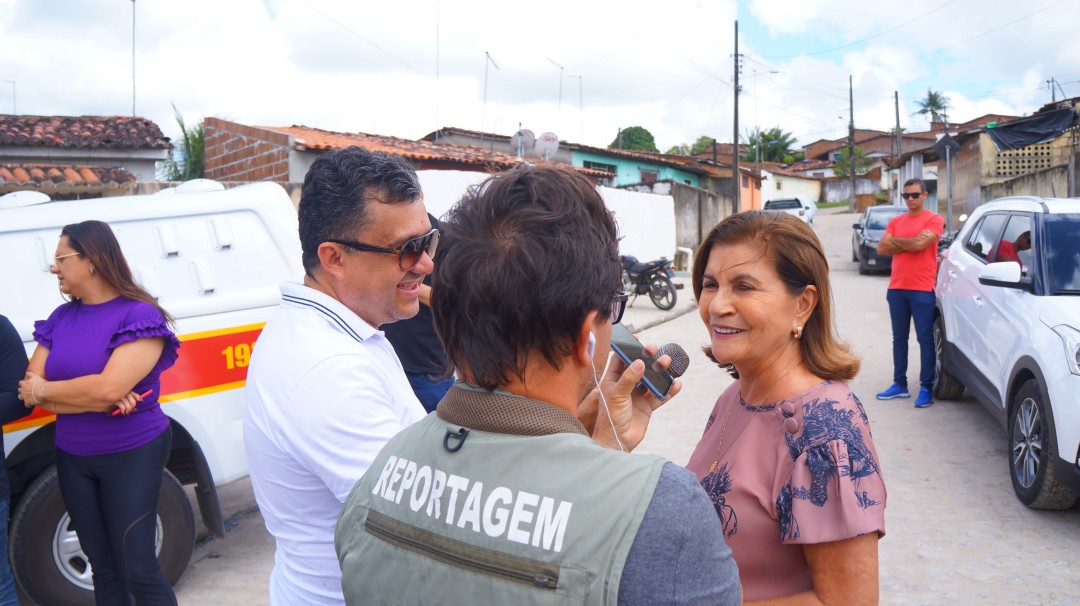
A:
[796,187]
[646,221]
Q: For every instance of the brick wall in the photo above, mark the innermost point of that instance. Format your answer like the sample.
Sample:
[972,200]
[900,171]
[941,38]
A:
[237,152]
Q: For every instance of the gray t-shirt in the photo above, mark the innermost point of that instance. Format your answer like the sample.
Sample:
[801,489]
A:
[679,555]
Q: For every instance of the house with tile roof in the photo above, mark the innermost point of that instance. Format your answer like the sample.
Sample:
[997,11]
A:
[239,152]
[79,156]
[623,167]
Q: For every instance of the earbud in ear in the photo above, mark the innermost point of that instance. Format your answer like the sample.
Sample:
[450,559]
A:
[592,344]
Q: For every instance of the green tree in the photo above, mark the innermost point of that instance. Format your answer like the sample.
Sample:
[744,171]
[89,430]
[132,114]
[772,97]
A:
[635,138]
[773,144]
[842,166]
[703,144]
[935,104]
[186,161]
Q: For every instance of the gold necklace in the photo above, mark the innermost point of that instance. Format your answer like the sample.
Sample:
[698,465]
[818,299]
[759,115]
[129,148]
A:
[723,431]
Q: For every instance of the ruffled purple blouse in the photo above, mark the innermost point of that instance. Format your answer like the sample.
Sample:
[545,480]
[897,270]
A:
[80,339]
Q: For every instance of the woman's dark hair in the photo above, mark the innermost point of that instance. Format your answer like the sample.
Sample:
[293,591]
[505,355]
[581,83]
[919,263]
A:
[529,253]
[337,189]
[95,241]
[798,258]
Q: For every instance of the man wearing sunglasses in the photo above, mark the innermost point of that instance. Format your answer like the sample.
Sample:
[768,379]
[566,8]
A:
[325,389]
[505,494]
[911,238]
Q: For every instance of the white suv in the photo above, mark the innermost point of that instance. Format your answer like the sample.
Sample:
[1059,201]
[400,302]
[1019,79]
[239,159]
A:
[797,206]
[1008,329]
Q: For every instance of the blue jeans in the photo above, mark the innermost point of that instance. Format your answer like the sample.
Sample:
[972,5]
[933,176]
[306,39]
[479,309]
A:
[905,306]
[428,390]
[112,500]
[8,596]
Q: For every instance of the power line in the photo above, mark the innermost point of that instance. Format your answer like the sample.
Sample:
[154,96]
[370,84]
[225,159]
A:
[361,37]
[990,31]
[867,39]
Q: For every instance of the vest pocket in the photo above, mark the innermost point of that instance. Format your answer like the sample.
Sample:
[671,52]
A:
[507,567]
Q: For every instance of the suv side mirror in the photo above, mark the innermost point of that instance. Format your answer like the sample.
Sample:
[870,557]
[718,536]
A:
[1005,274]
[857,226]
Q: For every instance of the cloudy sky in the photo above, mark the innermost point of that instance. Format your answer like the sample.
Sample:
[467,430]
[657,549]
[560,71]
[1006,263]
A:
[405,67]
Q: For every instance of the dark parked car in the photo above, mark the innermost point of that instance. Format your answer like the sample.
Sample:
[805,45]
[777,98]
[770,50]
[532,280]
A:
[867,234]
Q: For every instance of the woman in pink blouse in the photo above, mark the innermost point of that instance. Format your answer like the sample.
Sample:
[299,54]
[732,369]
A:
[786,456]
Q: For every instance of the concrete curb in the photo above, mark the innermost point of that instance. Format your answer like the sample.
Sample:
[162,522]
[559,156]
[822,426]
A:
[675,313]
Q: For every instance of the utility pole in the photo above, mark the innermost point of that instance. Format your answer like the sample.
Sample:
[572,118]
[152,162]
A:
[851,140]
[736,176]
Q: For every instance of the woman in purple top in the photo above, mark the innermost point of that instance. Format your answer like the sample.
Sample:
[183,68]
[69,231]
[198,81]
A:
[97,367]
[786,456]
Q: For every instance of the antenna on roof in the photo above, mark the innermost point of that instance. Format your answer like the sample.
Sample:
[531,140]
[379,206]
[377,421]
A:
[483,111]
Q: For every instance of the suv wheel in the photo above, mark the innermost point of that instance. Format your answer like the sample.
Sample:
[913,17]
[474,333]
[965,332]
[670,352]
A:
[947,386]
[1031,452]
[48,560]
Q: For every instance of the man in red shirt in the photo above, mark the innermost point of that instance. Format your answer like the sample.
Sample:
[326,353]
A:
[910,238]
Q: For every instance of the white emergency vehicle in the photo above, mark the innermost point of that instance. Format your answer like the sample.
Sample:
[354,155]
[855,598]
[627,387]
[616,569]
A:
[214,259]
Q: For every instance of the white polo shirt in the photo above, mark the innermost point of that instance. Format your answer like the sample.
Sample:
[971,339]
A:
[325,392]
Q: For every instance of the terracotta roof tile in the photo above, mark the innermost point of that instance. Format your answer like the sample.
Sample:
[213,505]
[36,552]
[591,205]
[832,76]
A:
[122,132]
[61,175]
[315,139]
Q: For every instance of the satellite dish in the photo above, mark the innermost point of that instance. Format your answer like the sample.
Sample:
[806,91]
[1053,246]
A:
[547,145]
[522,142]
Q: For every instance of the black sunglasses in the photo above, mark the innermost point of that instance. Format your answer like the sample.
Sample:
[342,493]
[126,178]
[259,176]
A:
[908,196]
[408,255]
[618,306]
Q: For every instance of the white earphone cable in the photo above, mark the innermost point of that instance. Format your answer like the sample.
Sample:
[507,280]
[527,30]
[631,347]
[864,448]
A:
[603,401]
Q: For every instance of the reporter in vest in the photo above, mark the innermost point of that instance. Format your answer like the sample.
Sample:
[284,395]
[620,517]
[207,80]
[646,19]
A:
[501,497]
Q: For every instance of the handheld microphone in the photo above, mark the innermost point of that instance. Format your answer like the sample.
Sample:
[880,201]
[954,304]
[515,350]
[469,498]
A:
[680,361]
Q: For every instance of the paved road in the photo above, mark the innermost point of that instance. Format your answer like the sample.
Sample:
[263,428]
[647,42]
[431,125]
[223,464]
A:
[955,532]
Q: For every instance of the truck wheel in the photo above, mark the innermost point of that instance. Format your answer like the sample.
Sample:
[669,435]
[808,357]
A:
[1031,452]
[48,562]
[947,387]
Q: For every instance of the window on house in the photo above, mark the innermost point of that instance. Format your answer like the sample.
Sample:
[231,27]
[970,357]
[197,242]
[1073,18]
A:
[607,168]
[778,184]
[745,181]
[687,181]
[649,176]
[757,184]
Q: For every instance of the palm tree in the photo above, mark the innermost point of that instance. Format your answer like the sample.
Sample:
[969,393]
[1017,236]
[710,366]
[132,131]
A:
[768,145]
[936,104]
[186,162]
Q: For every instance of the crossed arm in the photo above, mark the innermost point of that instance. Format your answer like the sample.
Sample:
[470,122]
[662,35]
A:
[127,365]
[891,245]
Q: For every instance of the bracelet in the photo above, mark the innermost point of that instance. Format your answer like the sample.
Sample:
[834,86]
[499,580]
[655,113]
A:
[33,395]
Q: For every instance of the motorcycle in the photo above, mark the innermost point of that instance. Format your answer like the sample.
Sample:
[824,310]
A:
[652,278]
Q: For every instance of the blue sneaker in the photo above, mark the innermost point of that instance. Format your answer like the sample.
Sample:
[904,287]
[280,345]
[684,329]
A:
[925,399]
[894,391]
